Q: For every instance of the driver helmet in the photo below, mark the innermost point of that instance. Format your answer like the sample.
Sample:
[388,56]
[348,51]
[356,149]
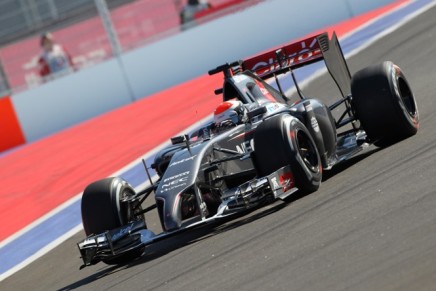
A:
[232,111]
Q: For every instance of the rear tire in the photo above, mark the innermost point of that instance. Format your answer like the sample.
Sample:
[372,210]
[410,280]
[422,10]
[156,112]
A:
[102,211]
[384,103]
[283,140]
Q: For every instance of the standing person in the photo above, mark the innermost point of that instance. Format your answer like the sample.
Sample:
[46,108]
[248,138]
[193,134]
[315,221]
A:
[53,58]
[193,6]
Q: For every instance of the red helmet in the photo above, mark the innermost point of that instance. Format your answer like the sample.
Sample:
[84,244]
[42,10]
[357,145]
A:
[229,111]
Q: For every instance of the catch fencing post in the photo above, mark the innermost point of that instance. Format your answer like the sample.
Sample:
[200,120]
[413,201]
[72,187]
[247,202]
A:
[104,13]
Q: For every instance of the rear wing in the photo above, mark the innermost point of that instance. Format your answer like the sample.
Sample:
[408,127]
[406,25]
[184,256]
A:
[292,56]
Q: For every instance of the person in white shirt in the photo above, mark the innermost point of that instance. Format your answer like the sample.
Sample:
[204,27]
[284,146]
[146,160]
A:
[54,59]
[191,8]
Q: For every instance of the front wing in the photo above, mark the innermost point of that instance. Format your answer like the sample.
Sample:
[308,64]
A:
[117,242]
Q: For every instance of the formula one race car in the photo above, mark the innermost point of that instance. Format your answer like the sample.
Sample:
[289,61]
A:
[260,147]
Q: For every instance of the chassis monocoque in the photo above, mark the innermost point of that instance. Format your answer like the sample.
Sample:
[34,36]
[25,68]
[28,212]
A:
[280,148]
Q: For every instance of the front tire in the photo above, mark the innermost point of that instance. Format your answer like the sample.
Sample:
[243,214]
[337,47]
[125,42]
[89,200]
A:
[283,140]
[102,211]
[384,103]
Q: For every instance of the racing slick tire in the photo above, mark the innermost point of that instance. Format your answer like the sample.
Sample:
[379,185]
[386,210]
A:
[384,103]
[102,211]
[283,140]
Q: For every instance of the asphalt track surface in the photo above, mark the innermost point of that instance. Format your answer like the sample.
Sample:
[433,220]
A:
[371,226]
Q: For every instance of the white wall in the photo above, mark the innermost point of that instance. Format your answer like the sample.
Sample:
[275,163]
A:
[93,91]
[70,100]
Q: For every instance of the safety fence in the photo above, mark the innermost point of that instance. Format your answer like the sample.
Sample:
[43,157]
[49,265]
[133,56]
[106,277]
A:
[135,24]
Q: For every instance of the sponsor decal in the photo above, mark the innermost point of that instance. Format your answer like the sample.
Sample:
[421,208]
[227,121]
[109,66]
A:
[245,147]
[275,183]
[176,176]
[264,91]
[287,181]
[273,107]
[182,161]
[296,53]
[174,182]
[309,107]
[314,124]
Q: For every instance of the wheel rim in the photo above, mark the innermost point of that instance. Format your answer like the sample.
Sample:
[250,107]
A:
[407,98]
[307,151]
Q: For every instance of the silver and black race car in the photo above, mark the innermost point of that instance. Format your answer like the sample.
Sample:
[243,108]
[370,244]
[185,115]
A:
[262,146]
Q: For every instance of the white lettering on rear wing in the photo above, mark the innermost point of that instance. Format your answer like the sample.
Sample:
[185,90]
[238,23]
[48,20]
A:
[297,53]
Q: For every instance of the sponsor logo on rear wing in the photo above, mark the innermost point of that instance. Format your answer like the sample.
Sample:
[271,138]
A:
[293,55]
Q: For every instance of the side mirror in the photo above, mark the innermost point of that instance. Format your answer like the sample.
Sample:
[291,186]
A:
[178,139]
[256,112]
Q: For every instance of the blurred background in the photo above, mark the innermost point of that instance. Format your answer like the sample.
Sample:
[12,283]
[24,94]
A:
[91,31]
